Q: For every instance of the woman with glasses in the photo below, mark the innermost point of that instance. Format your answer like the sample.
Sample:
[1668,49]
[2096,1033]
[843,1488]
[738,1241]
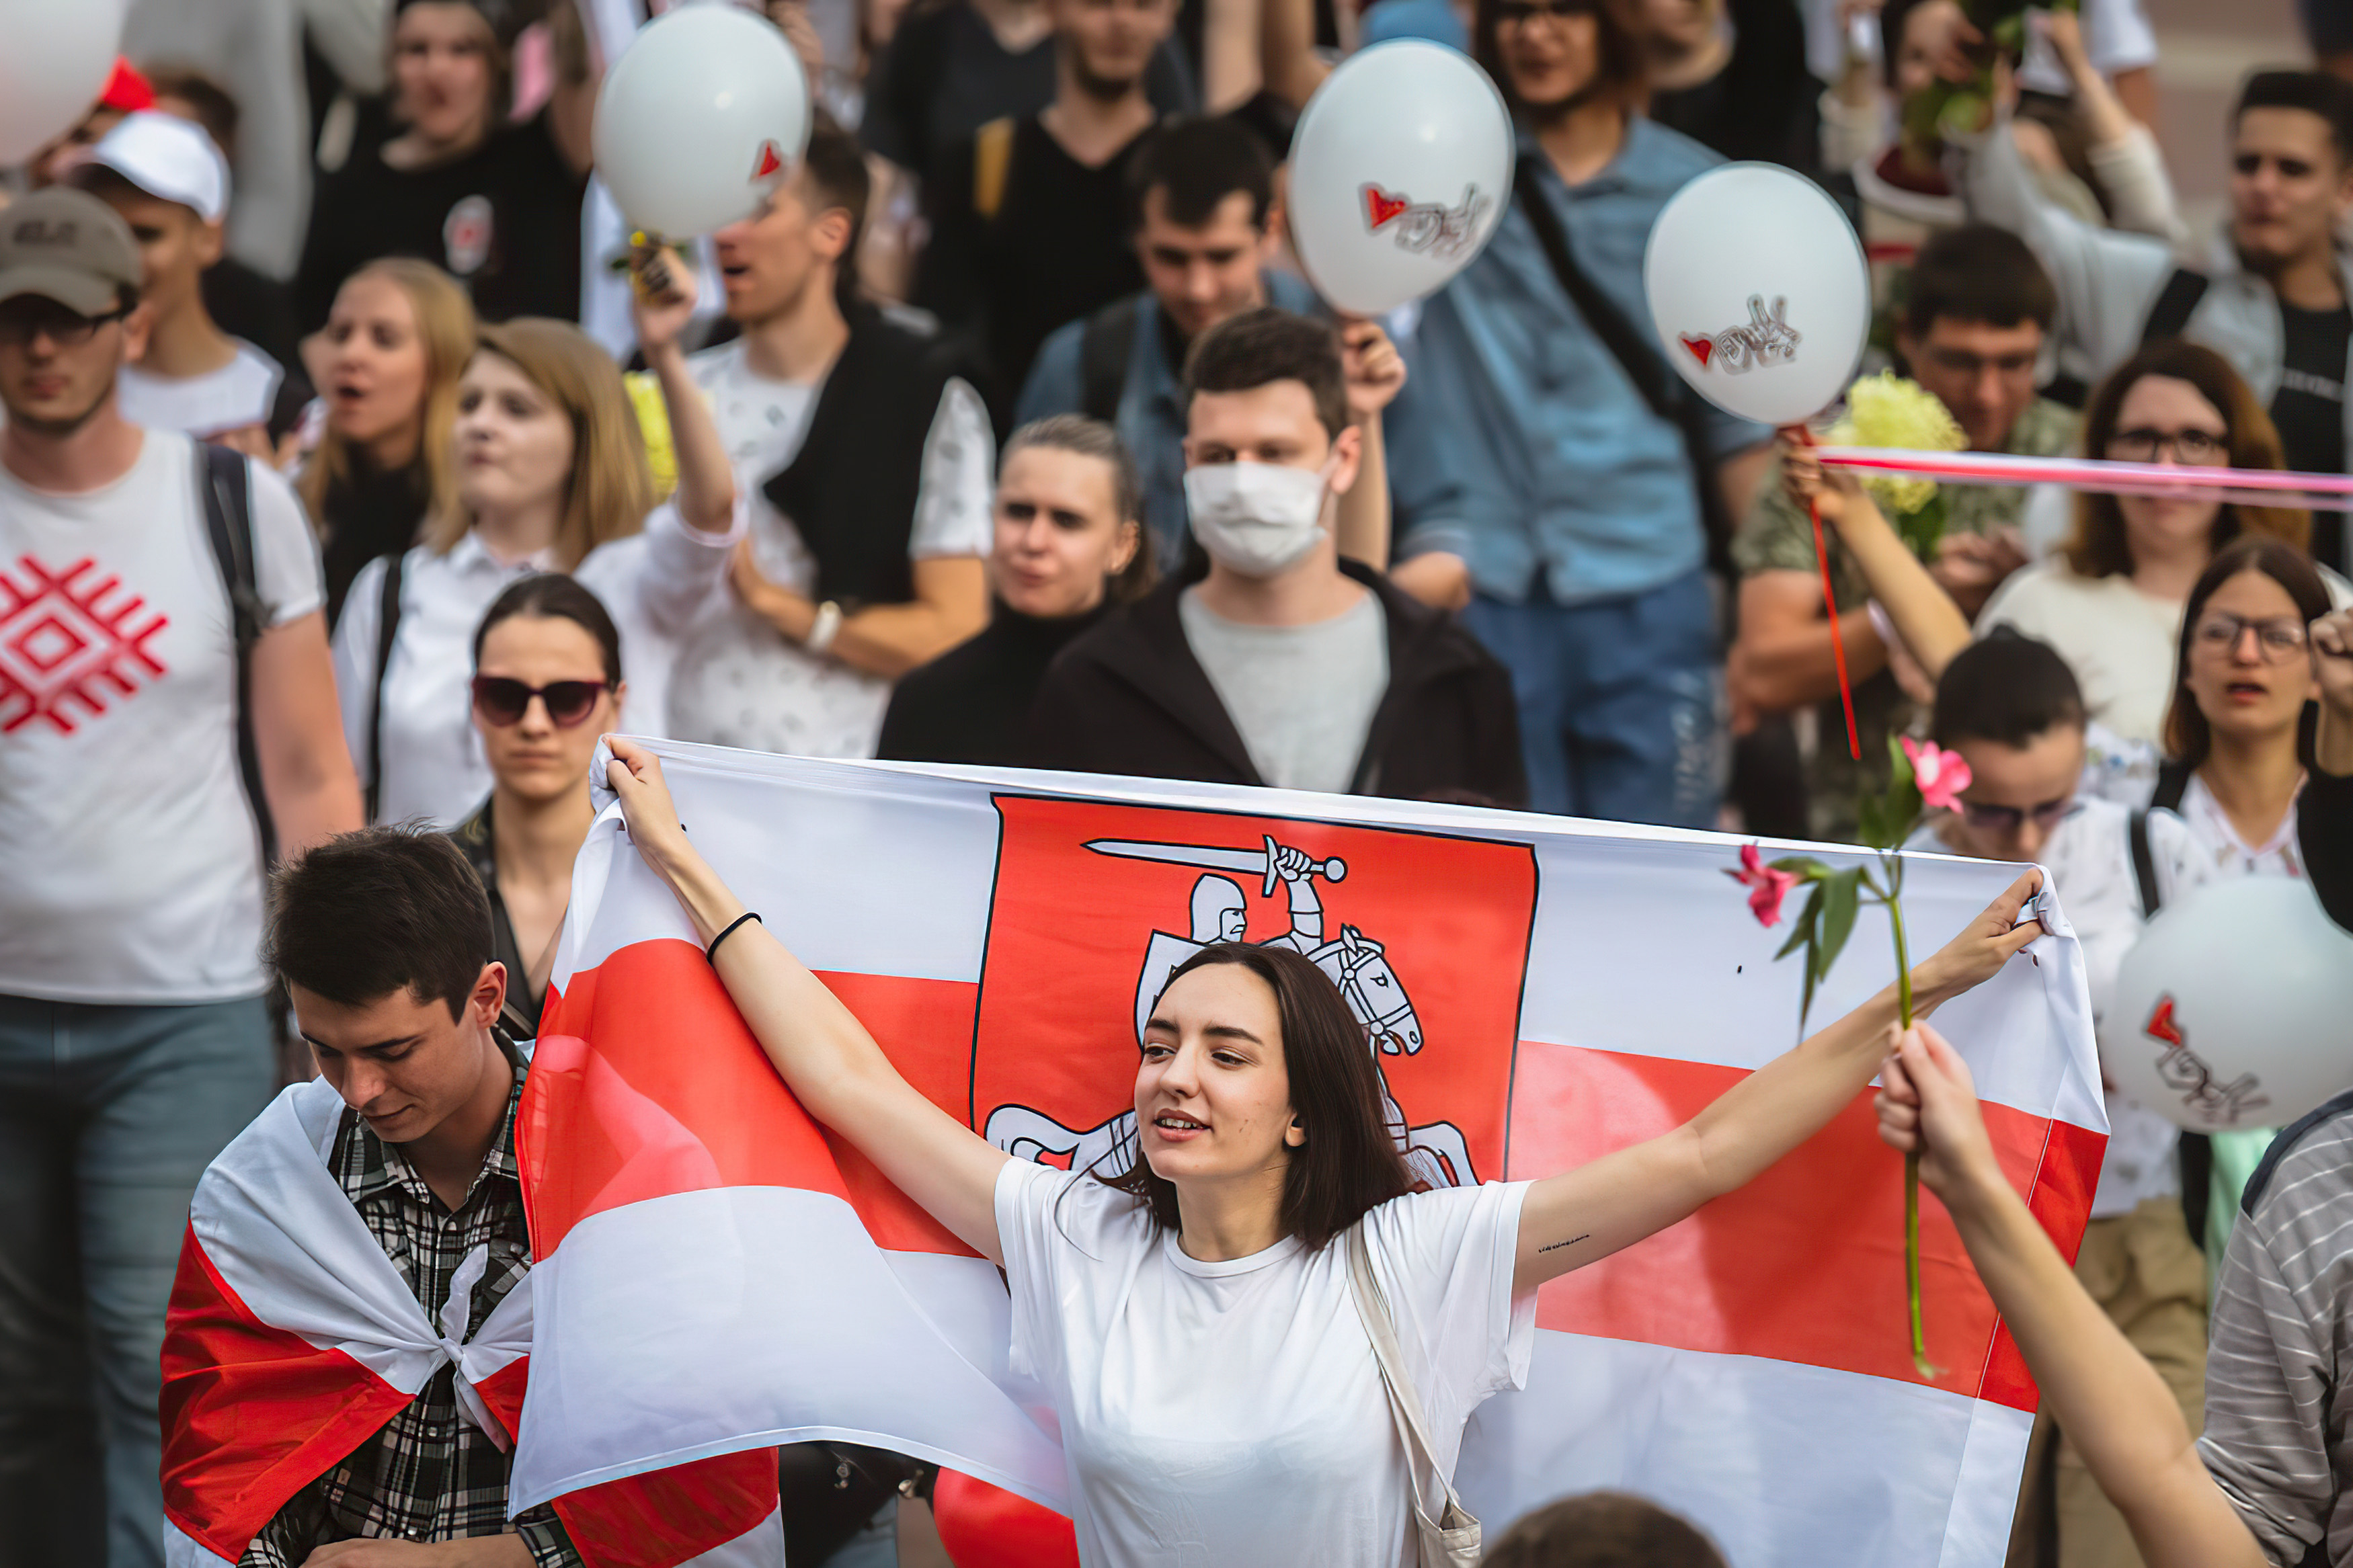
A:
[547,682]
[551,477]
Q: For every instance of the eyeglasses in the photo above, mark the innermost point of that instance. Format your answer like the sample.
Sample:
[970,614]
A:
[2195,447]
[29,316]
[503,701]
[1519,12]
[2010,818]
[2277,640]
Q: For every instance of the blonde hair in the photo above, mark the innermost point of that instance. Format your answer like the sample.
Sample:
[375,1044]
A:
[445,327]
[610,491]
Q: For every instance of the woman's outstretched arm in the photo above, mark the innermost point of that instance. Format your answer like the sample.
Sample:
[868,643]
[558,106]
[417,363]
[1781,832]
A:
[1572,1218]
[824,1054]
[2103,1393]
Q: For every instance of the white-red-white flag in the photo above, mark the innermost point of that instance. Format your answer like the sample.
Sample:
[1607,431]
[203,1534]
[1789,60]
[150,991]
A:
[719,1272]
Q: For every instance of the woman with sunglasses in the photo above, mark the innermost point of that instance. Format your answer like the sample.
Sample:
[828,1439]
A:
[551,477]
[547,682]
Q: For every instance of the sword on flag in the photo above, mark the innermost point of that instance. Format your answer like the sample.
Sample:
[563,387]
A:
[1201,856]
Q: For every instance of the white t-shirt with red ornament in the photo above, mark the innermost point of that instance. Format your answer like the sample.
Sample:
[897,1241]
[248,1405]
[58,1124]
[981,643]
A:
[133,860]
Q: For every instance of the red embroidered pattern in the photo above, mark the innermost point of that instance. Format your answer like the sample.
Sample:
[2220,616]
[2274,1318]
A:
[70,640]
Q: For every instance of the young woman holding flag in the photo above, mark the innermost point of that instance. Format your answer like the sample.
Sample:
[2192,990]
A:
[1209,1361]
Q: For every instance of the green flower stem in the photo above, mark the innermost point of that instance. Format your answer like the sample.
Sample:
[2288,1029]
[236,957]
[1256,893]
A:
[1912,1161]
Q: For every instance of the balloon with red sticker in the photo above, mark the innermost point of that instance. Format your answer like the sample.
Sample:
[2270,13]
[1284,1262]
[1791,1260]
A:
[701,119]
[55,57]
[1401,169]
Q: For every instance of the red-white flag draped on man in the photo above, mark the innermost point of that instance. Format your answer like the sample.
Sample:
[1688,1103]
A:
[291,1339]
[718,1273]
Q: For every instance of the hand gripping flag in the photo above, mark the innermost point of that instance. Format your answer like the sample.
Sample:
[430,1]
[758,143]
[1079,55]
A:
[291,1339]
[719,1272]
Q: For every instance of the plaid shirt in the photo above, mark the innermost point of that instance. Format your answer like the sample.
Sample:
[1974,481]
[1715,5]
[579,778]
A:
[430,1474]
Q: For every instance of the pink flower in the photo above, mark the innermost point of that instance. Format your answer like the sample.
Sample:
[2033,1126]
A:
[1941,774]
[1766,886]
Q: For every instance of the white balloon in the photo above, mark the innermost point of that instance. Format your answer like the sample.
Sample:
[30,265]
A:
[703,116]
[55,57]
[2235,1008]
[1401,169]
[1759,291]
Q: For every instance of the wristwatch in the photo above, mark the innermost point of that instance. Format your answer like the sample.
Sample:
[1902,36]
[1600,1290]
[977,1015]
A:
[825,628]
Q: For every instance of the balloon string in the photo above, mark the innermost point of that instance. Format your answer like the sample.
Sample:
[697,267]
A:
[1829,602]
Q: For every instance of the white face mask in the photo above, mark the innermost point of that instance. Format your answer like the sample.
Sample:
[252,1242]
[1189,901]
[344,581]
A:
[1255,518]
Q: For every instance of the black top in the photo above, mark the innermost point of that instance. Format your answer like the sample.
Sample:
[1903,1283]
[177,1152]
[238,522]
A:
[261,309]
[1763,104]
[945,76]
[2309,409]
[368,512]
[2324,831]
[1130,697]
[475,838]
[504,220]
[1057,249]
[970,704]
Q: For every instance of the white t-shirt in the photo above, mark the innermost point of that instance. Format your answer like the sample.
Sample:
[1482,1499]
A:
[2119,642]
[133,865]
[2089,857]
[654,583]
[738,682]
[2116,36]
[2234,856]
[1233,1413]
[241,392]
[1303,698]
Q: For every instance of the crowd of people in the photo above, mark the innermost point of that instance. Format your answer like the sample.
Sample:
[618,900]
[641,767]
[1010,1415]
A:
[353,447]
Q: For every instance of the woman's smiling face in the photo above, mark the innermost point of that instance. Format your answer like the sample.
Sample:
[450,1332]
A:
[1212,1093]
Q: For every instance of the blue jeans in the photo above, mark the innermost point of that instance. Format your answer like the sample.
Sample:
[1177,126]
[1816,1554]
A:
[107,1115]
[1619,700]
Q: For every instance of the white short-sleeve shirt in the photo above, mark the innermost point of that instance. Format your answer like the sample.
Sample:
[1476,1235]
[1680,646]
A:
[241,392]
[738,682]
[1233,1412]
[134,868]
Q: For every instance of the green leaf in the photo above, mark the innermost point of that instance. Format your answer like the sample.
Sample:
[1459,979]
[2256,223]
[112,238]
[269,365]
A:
[1809,914]
[1838,901]
[1805,866]
[1813,975]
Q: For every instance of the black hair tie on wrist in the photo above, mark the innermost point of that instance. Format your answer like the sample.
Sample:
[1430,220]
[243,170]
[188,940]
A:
[710,953]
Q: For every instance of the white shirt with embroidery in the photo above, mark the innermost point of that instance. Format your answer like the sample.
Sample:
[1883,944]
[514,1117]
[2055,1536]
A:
[738,681]
[133,867]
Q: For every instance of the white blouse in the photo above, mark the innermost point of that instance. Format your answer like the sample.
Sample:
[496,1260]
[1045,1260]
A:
[657,585]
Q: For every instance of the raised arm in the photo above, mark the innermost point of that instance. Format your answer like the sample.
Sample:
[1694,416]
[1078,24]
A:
[1924,616]
[821,1050]
[2103,1393]
[1572,1218]
[663,301]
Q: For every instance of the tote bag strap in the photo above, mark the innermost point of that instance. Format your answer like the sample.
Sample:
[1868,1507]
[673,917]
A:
[1453,1540]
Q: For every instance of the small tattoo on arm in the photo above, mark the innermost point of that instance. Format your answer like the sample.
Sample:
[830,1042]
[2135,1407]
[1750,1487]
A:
[1572,1241]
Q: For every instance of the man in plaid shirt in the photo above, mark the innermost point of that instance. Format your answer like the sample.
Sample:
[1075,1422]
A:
[382,938]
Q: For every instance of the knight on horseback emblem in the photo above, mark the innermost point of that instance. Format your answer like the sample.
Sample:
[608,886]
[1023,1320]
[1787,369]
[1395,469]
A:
[1359,965]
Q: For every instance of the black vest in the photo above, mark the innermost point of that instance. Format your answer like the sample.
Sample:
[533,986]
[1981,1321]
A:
[851,491]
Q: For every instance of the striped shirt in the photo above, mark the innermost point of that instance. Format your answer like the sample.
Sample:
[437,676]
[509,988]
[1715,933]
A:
[2278,1438]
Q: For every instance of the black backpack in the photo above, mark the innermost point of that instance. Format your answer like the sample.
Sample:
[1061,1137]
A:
[2197,1153]
[225,488]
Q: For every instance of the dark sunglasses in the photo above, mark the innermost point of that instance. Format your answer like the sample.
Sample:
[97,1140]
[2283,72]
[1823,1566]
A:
[1519,12]
[503,701]
[2010,818]
[29,316]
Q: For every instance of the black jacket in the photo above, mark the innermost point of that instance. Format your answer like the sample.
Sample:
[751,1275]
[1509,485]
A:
[969,705]
[1131,698]
[2324,829]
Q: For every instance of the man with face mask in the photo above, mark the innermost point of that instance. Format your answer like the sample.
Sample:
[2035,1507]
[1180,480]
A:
[1270,661]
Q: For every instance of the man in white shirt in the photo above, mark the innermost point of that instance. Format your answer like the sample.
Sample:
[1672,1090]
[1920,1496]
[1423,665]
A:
[169,184]
[2011,707]
[868,466]
[133,1039]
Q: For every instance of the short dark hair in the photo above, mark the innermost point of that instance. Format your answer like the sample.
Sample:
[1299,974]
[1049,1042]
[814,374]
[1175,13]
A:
[556,595]
[2007,688]
[1977,273]
[2189,737]
[2323,93]
[835,166]
[1602,1529]
[1349,1165]
[367,915]
[217,112]
[1195,163]
[1266,345]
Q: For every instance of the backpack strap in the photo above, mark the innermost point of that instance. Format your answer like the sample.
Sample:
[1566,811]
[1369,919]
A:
[2172,783]
[2175,301]
[1635,353]
[387,632]
[1106,344]
[225,490]
[992,156]
[2144,864]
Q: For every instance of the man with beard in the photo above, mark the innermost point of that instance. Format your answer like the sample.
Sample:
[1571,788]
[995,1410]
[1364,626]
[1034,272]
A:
[2272,294]
[133,1038]
[1029,217]
[1589,471]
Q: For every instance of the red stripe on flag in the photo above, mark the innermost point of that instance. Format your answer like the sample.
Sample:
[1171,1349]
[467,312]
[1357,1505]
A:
[647,1082]
[1806,1263]
[251,1414]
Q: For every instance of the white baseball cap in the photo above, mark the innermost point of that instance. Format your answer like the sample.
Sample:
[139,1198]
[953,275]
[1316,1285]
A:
[170,157]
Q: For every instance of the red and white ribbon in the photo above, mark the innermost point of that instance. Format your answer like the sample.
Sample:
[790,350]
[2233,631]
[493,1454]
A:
[2261,487]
